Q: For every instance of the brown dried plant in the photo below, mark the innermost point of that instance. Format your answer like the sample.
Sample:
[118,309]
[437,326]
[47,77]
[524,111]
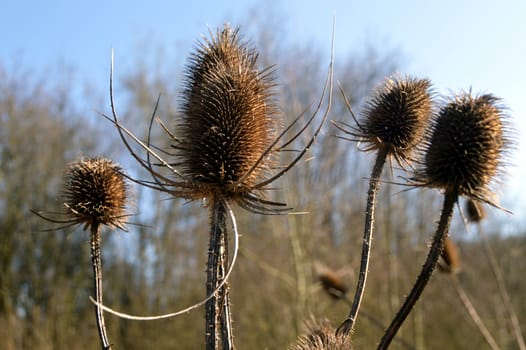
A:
[394,122]
[96,194]
[225,151]
[463,155]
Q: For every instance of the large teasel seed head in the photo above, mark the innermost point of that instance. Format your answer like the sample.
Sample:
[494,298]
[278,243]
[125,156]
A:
[397,116]
[96,192]
[229,116]
[465,149]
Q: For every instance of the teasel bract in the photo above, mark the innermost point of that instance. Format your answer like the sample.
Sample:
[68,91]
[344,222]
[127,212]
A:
[464,154]
[96,194]
[225,151]
[393,124]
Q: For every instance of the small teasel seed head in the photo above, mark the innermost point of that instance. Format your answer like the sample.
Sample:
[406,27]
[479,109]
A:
[450,256]
[465,149]
[229,116]
[397,115]
[96,192]
[475,212]
[332,284]
[321,336]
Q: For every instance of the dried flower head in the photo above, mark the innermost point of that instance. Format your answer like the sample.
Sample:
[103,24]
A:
[226,139]
[465,149]
[475,212]
[96,193]
[332,284]
[450,256]
[395,117]
[229,117]
[321,336]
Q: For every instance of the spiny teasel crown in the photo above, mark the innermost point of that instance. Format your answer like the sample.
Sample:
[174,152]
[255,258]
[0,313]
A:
[321,336]
[397,115]
[96,193]
[475,212]
[466,146]
[229,116]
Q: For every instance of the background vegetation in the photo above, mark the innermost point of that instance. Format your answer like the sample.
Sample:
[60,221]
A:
[45,278]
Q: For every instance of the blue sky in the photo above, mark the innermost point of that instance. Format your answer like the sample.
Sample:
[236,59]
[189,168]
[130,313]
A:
[457,44]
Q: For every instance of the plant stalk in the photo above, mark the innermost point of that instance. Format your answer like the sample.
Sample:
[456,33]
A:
[450,198]
[96,263]
[218,320]
[374,184]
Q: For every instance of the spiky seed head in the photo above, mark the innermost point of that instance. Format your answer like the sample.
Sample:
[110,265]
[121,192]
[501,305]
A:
[96,192]
[332,284]
[450,256]
[397,115]
[465,149]
[321,336]
[475,212]
[229,116]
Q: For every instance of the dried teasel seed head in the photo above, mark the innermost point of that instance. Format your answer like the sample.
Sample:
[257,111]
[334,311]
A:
[475,212]
[450,256]
[465,149]
[321,336]
[229,117]
[96,193]
[397,115]
[332,284]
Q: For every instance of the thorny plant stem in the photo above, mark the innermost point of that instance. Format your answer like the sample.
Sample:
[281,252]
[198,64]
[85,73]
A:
[474,314]
[96,263]
[374,184]
[499,279]
[227,337]
[217,319]
[450,198]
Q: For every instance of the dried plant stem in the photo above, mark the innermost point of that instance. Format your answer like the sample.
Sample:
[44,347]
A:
[374,184]
[499,279]
[450,198]
[474,314]
[218,319]
[96,262]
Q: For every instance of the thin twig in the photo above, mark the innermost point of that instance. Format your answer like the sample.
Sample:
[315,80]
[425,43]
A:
[194,306]
[499,279]
[473,313]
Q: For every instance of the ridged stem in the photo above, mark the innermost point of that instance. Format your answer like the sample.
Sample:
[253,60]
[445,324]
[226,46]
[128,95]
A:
[374,184]
[450,198]
[218,320]
[96,263]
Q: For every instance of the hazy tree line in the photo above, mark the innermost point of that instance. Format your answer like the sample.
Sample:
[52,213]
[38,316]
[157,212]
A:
[158,266]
